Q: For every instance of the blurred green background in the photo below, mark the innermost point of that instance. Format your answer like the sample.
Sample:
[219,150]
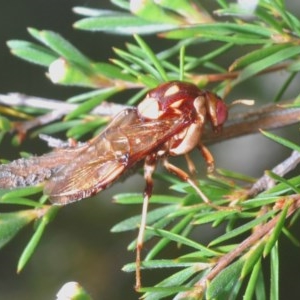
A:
[78,245]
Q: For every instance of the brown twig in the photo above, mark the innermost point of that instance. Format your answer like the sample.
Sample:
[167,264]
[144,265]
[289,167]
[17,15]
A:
[57,110]
[267,117]
[18,99]
[266,182]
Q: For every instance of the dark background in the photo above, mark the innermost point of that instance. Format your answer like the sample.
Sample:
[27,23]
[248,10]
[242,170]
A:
[78,245]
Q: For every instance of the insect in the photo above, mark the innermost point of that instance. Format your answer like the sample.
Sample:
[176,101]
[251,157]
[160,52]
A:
[168,122]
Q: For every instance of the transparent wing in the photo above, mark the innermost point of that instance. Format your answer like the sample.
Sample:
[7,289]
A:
[122,144]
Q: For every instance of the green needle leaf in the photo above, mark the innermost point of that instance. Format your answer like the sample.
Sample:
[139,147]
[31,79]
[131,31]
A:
[252,258]
[154,215]
[272,240]
[253,282]
[31,52]
[225,280]
[181,240]
[88,105]
[124,24]
[281,140]
[267,62]
[274,288]
[152,57]
[22,192]
[242,228]
[63,47]
[12,223]
[31,246]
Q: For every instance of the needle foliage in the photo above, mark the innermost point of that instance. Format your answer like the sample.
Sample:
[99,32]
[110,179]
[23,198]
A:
[259,40]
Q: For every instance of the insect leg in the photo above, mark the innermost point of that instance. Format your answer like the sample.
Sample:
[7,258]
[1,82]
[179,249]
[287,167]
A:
[190,164]
[149,167]
[185,177]
[208,157]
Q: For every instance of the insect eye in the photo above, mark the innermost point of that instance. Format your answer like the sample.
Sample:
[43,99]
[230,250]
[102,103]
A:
[216,110]
[221,112]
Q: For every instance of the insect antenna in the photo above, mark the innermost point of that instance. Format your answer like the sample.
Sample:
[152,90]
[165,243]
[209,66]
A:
[248,102]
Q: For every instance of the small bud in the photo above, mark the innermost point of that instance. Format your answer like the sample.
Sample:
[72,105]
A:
[63,72]
[72,290]
[58,70]
[248,5]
